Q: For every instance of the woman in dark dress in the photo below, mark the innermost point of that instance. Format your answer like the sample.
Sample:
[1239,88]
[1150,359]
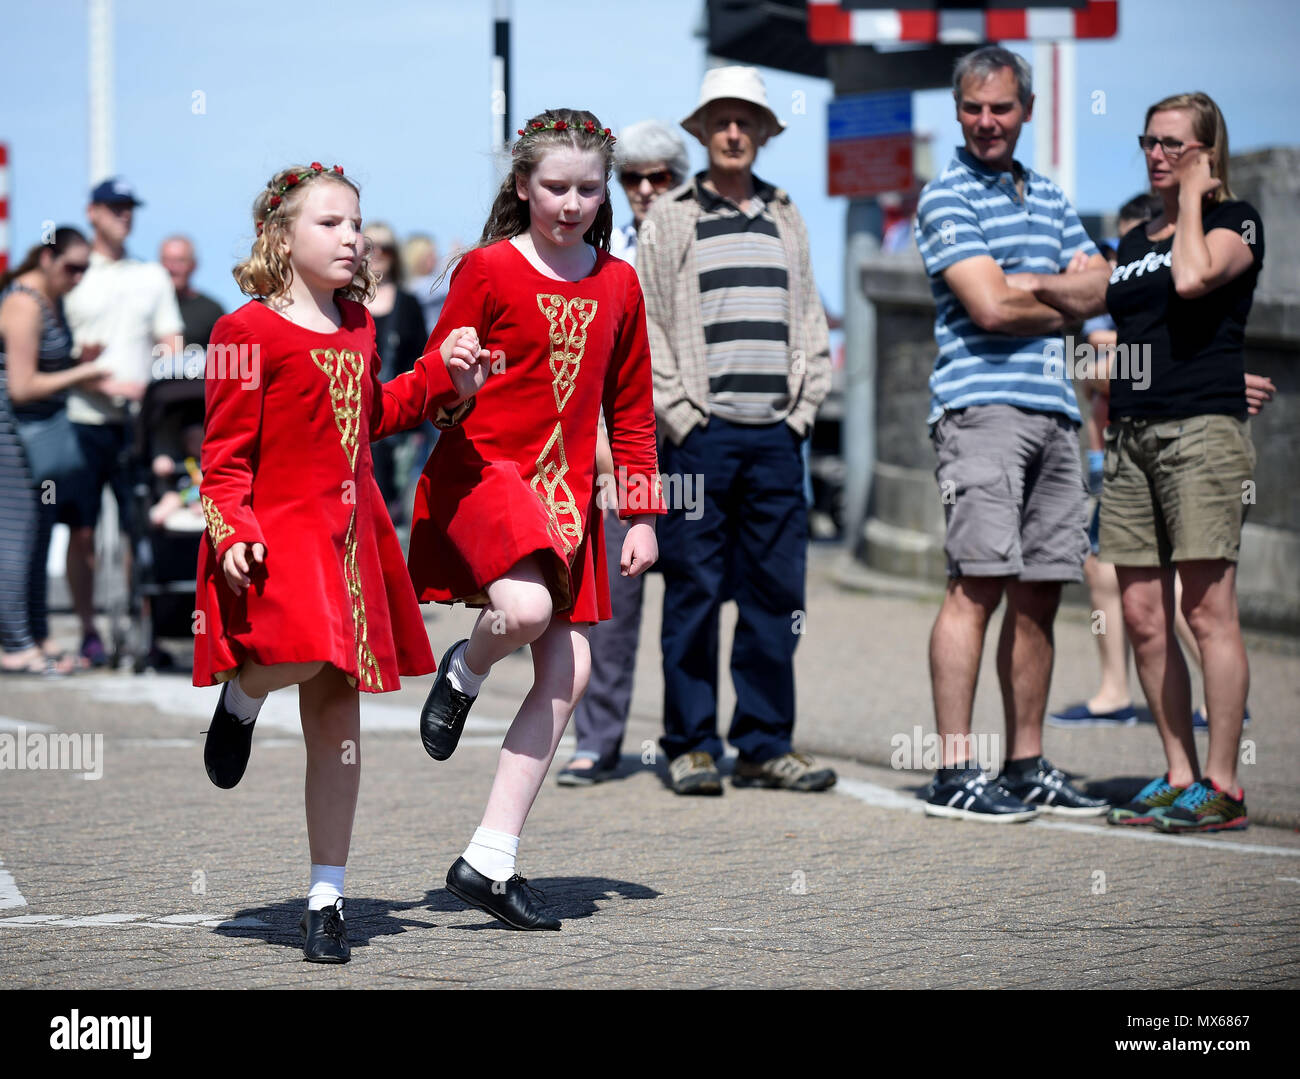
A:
[400,335]
[37,447]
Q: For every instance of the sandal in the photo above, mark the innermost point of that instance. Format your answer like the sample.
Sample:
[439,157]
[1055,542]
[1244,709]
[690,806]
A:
[569,776]
[38,667]
[66,662]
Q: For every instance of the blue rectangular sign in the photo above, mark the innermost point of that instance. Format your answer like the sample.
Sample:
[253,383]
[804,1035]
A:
[864,116]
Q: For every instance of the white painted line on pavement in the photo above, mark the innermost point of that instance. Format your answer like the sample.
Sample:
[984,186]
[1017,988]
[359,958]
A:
[280,712]
[7,724]
[873,794]
[10,896]
[119,920]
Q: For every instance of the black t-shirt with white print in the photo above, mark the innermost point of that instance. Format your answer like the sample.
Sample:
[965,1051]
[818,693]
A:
[1196,360]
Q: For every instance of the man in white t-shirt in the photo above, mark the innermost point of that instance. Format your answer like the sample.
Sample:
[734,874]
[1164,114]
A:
[126,307]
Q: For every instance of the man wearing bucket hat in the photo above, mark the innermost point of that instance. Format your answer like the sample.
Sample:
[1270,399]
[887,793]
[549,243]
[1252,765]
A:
[741,360]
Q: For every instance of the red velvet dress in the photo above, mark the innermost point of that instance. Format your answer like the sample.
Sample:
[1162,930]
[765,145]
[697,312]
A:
[286,463]
[517,476]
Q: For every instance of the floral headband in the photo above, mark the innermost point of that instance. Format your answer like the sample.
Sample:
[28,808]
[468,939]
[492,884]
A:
[563,125]
[290,181]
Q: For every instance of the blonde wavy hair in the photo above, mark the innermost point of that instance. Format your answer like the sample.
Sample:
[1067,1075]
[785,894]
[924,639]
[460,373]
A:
[1210,129]
[267,273]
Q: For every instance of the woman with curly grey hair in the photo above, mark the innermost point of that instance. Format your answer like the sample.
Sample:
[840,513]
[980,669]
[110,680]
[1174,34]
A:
[649,159]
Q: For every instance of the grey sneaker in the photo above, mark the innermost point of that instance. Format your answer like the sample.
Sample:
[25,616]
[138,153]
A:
[790,771]
[695,773]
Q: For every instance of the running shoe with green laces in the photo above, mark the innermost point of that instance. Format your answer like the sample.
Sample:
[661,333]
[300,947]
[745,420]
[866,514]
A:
[1158,794]
[1203,807]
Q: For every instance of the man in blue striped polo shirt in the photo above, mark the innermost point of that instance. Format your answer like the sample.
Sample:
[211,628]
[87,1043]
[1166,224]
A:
[1010,265]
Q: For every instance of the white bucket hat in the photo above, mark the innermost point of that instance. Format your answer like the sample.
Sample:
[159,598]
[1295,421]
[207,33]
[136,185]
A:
[732,83]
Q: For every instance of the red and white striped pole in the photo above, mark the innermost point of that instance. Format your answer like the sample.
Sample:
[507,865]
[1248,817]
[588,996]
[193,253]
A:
[4,208]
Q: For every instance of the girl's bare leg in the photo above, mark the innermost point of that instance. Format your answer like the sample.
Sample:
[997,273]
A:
[561,667]
[257,680]
[518,612]
[330,710]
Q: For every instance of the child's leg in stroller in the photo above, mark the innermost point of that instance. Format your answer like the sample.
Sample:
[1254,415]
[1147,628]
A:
[561,666]
[518,612]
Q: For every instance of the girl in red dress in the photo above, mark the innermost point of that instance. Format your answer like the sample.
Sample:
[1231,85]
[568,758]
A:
[302,582]
[504,512]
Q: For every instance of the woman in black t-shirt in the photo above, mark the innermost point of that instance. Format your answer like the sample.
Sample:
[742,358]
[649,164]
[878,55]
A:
[1179,460]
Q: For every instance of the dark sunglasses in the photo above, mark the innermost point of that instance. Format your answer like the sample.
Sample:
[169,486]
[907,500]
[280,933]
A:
[1171,147]
[658,178]
[76,267]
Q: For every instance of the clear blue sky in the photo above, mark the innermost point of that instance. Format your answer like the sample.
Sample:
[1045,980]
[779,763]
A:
[398,91]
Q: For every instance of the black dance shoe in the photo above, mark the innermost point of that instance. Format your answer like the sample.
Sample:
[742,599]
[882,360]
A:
[229,742]
[506,900]
[445,709]
[324,938]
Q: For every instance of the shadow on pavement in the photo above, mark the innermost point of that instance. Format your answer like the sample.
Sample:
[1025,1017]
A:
[567,898]
[366,918]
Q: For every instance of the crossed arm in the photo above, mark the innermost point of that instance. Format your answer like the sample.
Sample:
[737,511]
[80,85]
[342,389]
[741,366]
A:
[1026,305]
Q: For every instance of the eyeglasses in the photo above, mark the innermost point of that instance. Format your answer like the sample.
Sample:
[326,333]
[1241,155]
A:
[658,178]
[1172,147]
[74,268]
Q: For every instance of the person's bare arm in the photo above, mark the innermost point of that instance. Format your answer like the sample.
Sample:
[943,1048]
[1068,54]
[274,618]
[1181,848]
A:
[20,326]
[994,305]
[1076,294]
[1202,261]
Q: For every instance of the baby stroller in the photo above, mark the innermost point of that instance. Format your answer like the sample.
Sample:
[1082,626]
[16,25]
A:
[165,548]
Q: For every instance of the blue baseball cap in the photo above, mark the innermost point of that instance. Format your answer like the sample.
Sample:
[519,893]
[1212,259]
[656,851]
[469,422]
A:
[113,192]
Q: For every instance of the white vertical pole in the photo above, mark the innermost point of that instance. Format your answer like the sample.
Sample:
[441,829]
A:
[101,89]
[1044,109]
[1065,111]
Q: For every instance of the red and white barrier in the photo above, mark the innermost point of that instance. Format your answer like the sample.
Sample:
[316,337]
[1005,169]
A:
[4,207]
[834,24]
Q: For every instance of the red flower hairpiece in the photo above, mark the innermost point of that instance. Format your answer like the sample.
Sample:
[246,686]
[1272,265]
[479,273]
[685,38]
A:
[291,180]
[563,125]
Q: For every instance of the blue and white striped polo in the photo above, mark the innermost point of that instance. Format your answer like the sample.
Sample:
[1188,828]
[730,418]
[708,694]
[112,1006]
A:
[971,210]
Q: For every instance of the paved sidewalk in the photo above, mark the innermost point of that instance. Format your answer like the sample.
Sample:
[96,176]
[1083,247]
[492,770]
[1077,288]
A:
[149,877]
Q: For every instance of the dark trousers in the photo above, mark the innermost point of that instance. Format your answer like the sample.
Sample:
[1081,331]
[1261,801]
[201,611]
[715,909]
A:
[751,539]
[600,719]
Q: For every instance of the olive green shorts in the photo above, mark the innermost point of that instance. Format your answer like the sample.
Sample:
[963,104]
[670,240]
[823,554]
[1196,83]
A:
[1175,490]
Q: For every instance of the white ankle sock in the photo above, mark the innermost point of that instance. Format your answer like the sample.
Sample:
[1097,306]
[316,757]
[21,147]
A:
[492,853]
[461,677]
[326,885]
[240,705]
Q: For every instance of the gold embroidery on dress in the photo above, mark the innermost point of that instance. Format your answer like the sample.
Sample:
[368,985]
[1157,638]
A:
[565,521]
[569,320]
[367,667]
[345,370]
[217,527]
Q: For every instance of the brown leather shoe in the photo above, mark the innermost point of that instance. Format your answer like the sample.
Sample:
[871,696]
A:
[695,773]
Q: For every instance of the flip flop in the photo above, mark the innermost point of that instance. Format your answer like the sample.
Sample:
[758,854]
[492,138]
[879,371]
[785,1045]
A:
[47,669]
